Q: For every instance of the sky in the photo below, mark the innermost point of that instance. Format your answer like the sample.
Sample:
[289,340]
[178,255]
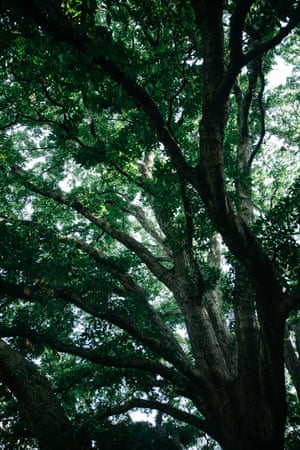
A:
[280,72]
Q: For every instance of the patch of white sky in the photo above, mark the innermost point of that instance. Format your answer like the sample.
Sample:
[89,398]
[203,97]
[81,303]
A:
[281,70]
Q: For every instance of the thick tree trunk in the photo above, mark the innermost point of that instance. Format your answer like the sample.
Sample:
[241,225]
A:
[252,440]
[46,416]
[250,412]
[250,426]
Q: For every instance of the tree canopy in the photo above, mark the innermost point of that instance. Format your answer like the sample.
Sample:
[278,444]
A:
[149,224]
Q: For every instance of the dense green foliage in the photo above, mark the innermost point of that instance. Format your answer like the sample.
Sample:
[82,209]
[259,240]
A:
[149,214]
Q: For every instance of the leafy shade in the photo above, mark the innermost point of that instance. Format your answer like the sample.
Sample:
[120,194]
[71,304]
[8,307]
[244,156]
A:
[149,224]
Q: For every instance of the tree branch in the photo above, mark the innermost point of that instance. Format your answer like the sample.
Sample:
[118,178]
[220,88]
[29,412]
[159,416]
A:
[236,30]
[140,215]
[163,407]
[10,124]
[15,290]
[261,113]
[133,288]
[57,25]
[263,47]
[189,226]
[237,63]
[164,345]
[136,247]
[33,391]
[92,355]
[244,101]
[292,301]
[59,125]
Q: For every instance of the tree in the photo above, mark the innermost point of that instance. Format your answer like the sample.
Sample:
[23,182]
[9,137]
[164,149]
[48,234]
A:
[147,260]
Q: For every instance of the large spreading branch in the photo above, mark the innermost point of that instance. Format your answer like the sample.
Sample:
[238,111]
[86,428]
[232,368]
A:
[164,345]
[11,358]
[164,275]
[166,408]
[132,288]
[47,418]
[95,356]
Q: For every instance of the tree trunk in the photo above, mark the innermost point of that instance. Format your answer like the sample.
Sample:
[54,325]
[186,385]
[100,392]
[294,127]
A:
[249,413]
[46,416]
[249,426]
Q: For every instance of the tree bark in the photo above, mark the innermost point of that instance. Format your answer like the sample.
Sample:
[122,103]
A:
[47,418]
